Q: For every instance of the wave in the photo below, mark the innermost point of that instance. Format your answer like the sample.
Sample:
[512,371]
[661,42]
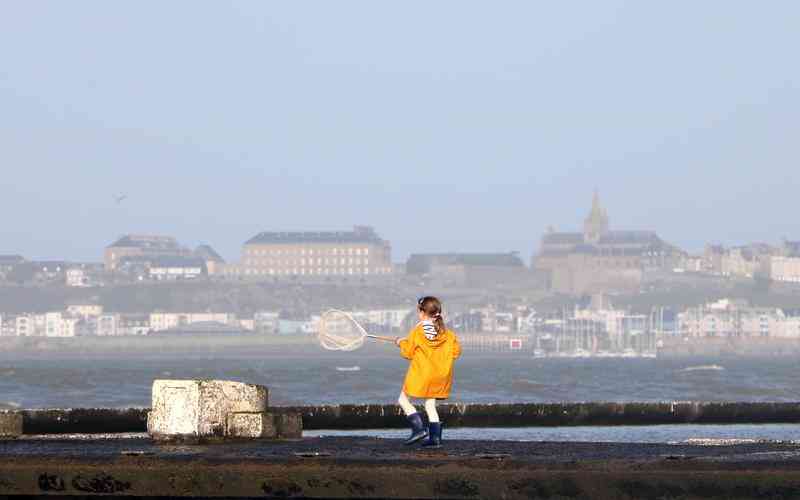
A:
[702,368]
[525,385]
[717,441]
[348,368]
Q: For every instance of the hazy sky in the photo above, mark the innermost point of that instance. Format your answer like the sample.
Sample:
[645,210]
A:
[447,125]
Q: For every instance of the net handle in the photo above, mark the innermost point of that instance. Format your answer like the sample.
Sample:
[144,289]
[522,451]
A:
[378,337]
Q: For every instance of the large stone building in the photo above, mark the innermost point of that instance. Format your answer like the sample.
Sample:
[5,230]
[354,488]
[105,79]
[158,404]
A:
[784,264]
[469,269]
[599,259]
[357,253]
[138,246]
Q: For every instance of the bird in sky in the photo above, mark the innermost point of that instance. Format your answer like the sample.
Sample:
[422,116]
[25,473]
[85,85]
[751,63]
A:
[120,198]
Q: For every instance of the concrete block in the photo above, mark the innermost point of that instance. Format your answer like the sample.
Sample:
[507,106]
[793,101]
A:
[251,425]
[10,424]
[199,408]
[290,425]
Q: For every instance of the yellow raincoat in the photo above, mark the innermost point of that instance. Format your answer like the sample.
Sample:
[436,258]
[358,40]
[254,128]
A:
[430,374]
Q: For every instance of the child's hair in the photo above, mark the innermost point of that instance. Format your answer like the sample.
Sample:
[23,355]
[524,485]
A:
[432,307]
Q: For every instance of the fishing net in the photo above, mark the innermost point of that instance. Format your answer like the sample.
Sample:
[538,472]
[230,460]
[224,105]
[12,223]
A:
[338,331]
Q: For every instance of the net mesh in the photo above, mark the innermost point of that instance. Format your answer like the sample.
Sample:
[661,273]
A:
[339,332]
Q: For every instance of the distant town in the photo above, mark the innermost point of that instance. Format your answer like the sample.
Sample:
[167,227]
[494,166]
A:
[593,292]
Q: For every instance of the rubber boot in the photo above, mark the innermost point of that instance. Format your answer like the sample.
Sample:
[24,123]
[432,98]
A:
[418,430]
[434,437]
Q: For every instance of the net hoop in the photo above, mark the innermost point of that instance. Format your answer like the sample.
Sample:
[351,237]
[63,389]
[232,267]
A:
[338,331]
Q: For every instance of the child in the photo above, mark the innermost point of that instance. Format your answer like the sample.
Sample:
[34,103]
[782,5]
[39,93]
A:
[432,349]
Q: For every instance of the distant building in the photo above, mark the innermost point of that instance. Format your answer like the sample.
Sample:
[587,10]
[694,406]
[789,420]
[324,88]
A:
[84,310]
[149,246]
[133,324]
[213,261]
[691,264]
[267,322]
[30,325]
[176,268]
[38,272]
[77,277]
[8,263]
[50,324]
[599,259]
[781,268]
[476,269]
[107,325]
[732,319]
[784,264]
[791,248]
[168,321]
[433,262]
[357,253]
[736,262]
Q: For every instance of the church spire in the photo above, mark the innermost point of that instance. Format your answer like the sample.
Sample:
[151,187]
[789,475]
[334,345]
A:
[596,223]
[596,202]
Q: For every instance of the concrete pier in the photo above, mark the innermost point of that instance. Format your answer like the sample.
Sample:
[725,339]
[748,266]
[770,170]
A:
[454,415]
[206,408]
[10,424]
[384,468]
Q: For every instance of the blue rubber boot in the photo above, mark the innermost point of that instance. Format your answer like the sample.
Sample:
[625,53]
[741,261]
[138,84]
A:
[418,430]
[434,437]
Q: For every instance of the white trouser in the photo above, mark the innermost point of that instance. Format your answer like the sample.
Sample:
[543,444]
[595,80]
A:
[408,408]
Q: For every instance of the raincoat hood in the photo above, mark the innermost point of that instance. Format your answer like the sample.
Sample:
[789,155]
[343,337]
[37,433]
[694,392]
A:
[433,338]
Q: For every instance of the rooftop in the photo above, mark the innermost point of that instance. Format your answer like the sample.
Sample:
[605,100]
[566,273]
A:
[146,241]
[207,253]
[629,237]
[563,238]
[360,234]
